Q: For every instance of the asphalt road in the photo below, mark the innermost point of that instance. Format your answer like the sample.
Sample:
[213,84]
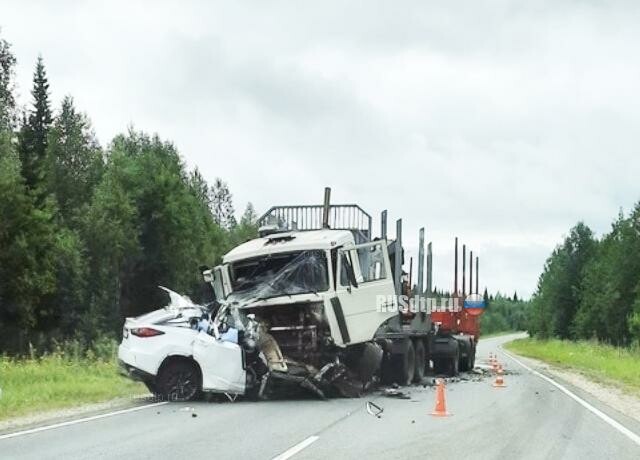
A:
[530,418]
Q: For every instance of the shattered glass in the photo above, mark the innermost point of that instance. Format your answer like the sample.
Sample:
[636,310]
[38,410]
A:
[276,275]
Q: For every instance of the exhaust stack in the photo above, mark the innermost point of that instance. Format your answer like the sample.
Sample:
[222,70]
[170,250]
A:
[383,225]
[325,207]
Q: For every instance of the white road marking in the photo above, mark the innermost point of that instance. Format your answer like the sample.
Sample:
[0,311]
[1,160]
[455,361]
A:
[618,426]
[77,421]
[297,448]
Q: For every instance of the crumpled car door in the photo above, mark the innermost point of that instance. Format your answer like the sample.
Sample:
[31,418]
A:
[221,364]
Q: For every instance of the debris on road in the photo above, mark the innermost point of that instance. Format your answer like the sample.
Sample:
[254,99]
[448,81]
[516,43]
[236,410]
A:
[395,393]
[374,409]
[479,370]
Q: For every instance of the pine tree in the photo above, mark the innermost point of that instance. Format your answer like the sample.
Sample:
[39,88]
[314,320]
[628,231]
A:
[248,227]
[33,133]
[560,290]
[7,101]
[249,217]
[515,296]
[222,205]
[27,265]
[74,160]
[200,188]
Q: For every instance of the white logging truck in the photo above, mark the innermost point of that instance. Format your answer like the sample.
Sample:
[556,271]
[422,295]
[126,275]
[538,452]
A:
[298,308]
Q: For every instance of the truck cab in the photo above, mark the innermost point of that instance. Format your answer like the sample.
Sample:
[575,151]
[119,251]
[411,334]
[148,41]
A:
[316,290]
[323,268]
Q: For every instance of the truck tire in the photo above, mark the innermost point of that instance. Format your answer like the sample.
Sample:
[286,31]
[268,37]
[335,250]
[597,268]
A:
[179,380]
[472,358]
[440,365]
[465,362]
[420,361]
[454,363]
[465,348]
[399,367]
[406,365]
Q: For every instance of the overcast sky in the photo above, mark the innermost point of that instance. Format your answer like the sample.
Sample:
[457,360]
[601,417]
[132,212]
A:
[503,123]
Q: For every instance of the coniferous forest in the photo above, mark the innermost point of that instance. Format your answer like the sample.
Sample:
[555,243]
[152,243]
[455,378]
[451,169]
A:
[590,287]
[88,231]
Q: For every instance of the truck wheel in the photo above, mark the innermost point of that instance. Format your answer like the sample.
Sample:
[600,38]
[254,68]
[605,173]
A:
[179,380]
[406,365]
[440,366]
[464,364]
[421,361]
[472,358]
[454,364]
[399,368]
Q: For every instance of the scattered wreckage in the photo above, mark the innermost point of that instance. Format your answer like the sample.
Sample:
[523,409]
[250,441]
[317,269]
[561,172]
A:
[296,308]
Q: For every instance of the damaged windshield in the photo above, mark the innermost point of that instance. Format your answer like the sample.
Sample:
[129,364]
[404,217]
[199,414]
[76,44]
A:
[279,274]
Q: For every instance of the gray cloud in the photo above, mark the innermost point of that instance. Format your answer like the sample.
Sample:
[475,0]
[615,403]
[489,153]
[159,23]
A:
[500,122]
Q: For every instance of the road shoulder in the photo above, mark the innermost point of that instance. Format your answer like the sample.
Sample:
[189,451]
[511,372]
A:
[37,419]
[612,400]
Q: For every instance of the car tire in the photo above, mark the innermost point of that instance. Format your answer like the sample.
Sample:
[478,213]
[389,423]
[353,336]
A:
[151,386]
[179,380]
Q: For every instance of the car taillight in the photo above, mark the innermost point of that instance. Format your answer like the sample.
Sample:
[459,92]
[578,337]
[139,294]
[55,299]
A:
[145,332]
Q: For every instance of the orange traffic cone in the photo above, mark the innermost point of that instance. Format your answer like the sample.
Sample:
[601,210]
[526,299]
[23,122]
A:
[441,405]
[499,383]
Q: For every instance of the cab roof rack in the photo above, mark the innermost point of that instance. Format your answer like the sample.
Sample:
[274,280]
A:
[318,216]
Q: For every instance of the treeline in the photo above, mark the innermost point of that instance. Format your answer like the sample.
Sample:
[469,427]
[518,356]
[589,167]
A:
[88,233]
[590,287]
[504,313]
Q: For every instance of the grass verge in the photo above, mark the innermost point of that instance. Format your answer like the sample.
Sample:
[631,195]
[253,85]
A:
[55,381]
[604,363]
